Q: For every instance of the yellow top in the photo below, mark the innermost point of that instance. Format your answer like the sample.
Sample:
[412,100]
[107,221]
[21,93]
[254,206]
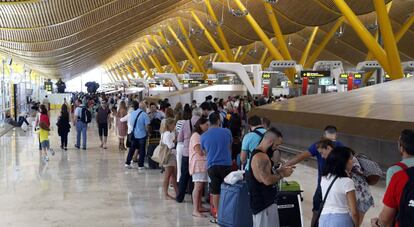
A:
[43,135]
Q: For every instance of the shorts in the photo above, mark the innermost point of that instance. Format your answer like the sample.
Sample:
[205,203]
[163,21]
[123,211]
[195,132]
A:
[103,129]
[200,177]
[217,175]
[45,144]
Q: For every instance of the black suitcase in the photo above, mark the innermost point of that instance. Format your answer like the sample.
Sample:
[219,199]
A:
[290,209]
[153,142]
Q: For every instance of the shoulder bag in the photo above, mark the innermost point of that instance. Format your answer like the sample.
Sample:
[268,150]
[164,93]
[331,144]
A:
[131,135]
[161,153]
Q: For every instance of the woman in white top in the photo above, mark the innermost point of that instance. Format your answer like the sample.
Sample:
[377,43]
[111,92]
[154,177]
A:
[168,138]
[340,208]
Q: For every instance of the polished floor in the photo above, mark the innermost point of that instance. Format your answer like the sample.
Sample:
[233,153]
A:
[92,188]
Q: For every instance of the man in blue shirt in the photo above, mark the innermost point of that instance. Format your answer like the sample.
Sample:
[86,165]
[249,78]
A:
[251,140]
[139,122]
[216,142]
[320,152]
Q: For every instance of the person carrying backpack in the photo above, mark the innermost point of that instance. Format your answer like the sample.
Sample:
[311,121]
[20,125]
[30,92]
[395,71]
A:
[81,120]
[399,197]
[251,140]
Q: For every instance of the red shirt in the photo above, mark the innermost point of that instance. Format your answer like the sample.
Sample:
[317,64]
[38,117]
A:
[394,190]
[44,118]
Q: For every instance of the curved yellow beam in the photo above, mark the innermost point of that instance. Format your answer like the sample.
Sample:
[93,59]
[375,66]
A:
[169,52]
[220,32]
[363,34]
[264,56]
[390,43]
[271,14]
[154,61]
[210,38]
[315,53]
[191,46]
[143,63]
[167,57]
[308,46]
[184,49]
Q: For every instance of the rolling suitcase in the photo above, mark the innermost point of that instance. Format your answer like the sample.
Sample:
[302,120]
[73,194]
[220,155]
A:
[234,207]
[289,204]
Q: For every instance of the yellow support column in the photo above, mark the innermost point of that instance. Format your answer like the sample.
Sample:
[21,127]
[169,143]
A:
[137,69]
[238,53]
[119,72]
[154,61]
[220,32]
[278,32]
[113,71]
[167,57]
[185,65]
[406,26]
[363,34]
[184,49]
[390,44]
[170,53]
[191,46]
[315,53]
[210,38]
[245,53]
[109,74]
[308,46]
[262,35]
[125,71]
[264,55]
[143,64]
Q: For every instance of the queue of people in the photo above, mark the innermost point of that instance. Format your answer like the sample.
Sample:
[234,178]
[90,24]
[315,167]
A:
[205,143]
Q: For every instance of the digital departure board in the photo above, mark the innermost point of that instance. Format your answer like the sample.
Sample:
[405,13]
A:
[315,74]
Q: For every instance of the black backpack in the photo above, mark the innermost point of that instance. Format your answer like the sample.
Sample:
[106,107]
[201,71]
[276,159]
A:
[86,116]
[405,215]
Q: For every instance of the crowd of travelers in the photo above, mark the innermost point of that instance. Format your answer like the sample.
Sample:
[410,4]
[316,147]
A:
[206,142]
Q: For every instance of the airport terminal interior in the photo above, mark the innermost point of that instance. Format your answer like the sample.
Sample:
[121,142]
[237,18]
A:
[231,113]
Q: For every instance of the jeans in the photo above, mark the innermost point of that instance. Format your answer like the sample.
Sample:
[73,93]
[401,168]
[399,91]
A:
[139,144]
[81,131]
[337,220]
[185,178]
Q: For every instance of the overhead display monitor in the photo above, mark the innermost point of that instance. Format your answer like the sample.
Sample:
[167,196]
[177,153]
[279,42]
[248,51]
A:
[266,76]
[315,74]
[357,75]
[343,75]
[325,81]
[357,81]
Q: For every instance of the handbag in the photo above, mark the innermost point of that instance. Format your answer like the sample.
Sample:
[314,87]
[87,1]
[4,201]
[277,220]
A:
[371,170]
[161,153]
[131,136]
[319,211]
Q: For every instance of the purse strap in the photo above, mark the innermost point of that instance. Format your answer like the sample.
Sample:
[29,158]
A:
[327,192]
[135,123]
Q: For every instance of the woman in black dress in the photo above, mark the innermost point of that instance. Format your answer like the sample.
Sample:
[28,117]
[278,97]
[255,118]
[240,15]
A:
[63,127]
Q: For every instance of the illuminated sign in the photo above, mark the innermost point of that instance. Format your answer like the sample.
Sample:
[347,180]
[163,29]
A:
[325,81]
[315,74]
[266,76]
[343,75]
[357,82]
[49,86]
[357,75]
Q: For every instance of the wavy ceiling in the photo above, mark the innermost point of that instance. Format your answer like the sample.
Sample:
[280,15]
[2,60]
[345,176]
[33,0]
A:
[67,37]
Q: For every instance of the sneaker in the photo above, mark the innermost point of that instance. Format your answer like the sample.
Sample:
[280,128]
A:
[52,152]
[84,148]
[141,168]
[77,147]
[46,158]
[128,166]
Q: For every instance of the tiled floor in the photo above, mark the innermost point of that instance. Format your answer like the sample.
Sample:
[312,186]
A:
[92,188]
